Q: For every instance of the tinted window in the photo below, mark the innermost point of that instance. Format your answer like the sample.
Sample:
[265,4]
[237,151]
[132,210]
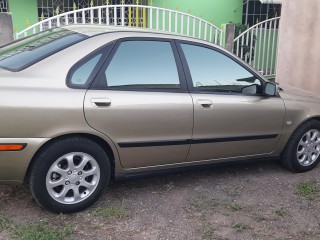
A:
[213,71]
[143,64]
[81,75]
[21,54]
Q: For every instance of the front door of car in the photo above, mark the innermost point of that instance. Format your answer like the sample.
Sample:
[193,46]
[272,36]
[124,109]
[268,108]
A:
[232,117]
[139,100]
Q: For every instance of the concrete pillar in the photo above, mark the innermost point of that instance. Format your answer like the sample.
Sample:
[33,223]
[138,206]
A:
[6,28]
[230,28]
[299,48]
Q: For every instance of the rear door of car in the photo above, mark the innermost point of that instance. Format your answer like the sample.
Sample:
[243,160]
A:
[232,116]
[140,100]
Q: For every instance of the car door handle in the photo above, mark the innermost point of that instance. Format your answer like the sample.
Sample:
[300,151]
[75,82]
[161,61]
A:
[204,103]
[100,102]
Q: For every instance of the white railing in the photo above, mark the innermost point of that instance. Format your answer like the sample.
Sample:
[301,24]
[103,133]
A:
[133,16]
[258,46]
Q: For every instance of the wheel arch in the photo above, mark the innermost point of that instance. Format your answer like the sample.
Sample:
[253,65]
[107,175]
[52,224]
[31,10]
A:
[317,118]
[100,141]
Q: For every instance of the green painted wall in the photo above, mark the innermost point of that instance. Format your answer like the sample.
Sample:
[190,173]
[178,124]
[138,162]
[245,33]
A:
[23,11]
[218,11]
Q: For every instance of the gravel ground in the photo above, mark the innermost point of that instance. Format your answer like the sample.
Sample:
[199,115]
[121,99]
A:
[252,200]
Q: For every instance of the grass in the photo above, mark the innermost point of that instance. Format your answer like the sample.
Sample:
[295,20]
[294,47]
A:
[111,211]
[234,191]
[4,221]
[207,232]
[260,218]
[280,212]
[234,207]
[307,190]
[37,231]
[240,227]
[202,203]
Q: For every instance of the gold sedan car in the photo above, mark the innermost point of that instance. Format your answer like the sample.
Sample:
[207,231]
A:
[81,105]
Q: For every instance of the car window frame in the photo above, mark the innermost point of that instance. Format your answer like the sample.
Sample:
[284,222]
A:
[188,75]
[101,50]
[99,83]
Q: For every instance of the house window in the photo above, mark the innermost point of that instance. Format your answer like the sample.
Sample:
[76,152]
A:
[3,6]
[254,11]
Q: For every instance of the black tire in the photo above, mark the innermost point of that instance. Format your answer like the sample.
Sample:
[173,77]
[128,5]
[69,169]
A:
[49,155]
[289,155]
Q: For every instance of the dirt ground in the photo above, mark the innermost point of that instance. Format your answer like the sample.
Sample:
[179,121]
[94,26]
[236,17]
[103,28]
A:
[253,200]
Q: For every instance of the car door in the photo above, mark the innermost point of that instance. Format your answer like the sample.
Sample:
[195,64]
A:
[139,99]
[232,116]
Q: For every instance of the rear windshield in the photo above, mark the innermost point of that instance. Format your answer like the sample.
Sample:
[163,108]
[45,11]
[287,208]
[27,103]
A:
[24,53]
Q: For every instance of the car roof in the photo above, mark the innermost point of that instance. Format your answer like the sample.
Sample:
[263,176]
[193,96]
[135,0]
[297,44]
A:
[93,30]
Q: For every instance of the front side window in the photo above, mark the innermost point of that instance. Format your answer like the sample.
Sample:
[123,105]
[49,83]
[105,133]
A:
[23,53]
[212,71]
[143,65]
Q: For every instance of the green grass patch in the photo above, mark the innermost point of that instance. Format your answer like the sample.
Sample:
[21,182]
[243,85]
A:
[260,218]
[202,203]
[280,212]
[111,211]
[240,227]
[41,231]
[207,232]
[234,207]
[307,190]
[4,221]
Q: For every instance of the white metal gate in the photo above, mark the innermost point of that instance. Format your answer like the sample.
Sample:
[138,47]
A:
[258,46]
[150,17]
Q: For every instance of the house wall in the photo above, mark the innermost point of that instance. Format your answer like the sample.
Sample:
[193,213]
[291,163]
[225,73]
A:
[23,13]
[299,48]
[216,11]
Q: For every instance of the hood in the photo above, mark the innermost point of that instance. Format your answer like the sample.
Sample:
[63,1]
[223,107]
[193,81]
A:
[296,94]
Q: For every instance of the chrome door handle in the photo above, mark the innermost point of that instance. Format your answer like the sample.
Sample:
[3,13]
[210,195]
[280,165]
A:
[100,102]
[204,103]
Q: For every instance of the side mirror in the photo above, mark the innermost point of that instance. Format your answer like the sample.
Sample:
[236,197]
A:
[270,89]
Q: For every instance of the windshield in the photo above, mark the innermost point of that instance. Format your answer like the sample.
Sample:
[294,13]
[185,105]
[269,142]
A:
[24,53]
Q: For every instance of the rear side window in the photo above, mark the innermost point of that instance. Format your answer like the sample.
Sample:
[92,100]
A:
[81,75]
[26,52]
[143,65]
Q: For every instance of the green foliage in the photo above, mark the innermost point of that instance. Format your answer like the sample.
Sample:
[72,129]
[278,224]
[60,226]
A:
[37,231]
[234,207]
[307,190]
[202,203]
[239,227]
[114,210]
[280,212]
[4,221]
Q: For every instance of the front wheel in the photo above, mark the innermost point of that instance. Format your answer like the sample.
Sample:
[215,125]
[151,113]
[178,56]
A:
[69,175]
[303,149]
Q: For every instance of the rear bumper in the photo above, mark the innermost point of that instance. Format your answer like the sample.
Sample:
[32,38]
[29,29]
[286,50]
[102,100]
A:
[14,164]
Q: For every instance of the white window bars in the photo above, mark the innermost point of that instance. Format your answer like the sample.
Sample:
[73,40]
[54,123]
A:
[149,17]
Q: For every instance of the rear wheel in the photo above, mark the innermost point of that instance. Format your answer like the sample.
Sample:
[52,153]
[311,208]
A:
[69,175]
[303,149]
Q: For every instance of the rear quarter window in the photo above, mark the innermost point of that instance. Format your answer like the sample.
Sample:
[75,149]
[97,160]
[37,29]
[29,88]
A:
[22,54]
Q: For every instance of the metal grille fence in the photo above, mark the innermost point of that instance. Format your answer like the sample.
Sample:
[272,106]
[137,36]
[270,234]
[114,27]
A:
[3,6]
[50,8]
[258,46]
[150,17]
